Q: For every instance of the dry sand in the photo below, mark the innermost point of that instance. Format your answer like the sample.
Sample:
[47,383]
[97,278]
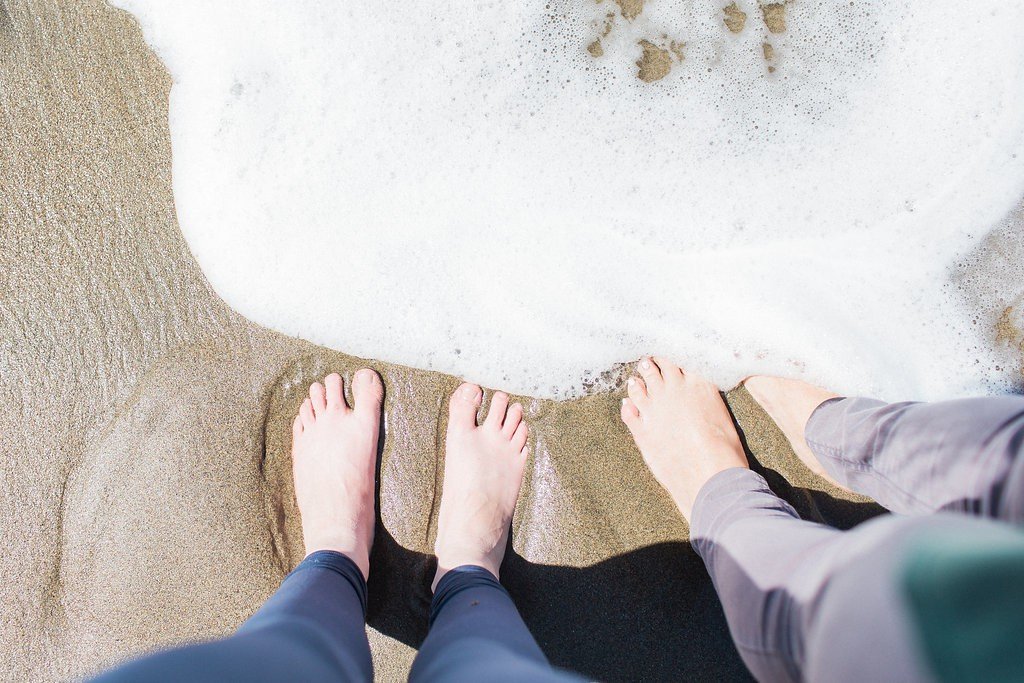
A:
[143,442]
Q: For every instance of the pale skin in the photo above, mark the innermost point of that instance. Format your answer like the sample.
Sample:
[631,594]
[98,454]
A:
[678,419]
[686,435]
[334,451]
[682,428]
[790,402]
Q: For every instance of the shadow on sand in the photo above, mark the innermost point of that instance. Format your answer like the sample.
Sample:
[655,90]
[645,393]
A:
[651,614]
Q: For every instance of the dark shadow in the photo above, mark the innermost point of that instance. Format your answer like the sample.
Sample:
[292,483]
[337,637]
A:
[818,506]
[651,614]
[811,504]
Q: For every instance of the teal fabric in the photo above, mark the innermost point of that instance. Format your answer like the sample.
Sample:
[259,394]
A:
[966,598]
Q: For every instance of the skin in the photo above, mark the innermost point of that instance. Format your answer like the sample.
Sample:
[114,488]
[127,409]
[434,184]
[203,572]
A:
[682,427]
[334,457]
[789,403]
[678,419]
[483,471]
[334,451]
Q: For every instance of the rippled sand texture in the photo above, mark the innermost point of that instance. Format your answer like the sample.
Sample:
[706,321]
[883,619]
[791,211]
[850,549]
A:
[143,425]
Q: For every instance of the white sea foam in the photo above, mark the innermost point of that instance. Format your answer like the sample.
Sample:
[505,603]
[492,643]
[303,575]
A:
[463,186]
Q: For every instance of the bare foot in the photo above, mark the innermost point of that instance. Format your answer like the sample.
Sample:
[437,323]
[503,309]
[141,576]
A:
[790,402]
[483,469]
[334,459]
[682,428]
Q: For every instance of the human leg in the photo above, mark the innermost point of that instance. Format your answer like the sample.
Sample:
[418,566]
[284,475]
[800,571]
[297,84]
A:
[476,632]
[771,569]
[913,458]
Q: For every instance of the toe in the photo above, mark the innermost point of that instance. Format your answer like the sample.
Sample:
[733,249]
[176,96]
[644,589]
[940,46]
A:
[335,390]
[651,373]
[463,406]
[296,426]
[367,392]
[519,436]
[629,414]
[669,370]
[317,394]
[512,420]
[306,413]
[496,413]
[637,390]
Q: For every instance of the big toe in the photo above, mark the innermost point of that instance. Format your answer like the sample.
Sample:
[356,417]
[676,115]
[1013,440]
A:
[651,373]
[367,392]
[463,406]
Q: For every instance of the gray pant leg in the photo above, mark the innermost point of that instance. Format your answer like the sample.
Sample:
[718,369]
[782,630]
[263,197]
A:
[862,628]
[775,575]
[915,458]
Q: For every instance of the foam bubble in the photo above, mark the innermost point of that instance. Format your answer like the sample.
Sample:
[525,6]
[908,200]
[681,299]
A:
[525,193]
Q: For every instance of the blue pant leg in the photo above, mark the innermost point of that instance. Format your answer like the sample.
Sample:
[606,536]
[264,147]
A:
[312,628]
[477,634]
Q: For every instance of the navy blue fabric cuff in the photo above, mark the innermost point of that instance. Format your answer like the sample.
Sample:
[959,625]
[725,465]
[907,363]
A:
[459,579]
[340,564]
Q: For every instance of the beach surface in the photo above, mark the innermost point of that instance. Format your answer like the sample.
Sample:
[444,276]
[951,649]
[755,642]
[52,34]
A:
[144,443]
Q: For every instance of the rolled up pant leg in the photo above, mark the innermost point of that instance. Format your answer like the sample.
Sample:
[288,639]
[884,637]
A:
[775,576]
[915,458]
[312,629]
[477,634]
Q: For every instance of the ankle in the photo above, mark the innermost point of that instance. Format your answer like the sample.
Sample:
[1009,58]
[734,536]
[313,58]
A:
[444,567]
[356,551]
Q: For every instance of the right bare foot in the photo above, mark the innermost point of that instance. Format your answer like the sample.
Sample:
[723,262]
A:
[682,428]
[790,402]
[483,470]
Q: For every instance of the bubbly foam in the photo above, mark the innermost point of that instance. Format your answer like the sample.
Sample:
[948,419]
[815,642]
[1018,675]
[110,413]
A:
[525,193]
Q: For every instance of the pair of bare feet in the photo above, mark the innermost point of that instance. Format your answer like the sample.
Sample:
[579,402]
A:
[334,454]
[679,422]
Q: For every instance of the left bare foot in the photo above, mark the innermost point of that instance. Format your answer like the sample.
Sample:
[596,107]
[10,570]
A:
[682,428]
[483,470]
[334,460]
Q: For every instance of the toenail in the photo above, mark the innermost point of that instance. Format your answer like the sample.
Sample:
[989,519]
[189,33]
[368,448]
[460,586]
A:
[631,381]
[468,393]
[645,364]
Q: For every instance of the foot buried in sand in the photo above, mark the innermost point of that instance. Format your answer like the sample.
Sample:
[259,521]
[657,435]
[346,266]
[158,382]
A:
[483,471]
[334,458]
[682,428]
[789,403]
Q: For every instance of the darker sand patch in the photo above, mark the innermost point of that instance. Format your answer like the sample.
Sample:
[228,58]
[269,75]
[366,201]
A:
[774,15]
[654,64]
[630,9]
[990,282]
[769,55]
[1007,330]
[595,49]
[735,18]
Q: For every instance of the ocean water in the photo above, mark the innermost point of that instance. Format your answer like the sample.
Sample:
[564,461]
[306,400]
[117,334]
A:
[499,190]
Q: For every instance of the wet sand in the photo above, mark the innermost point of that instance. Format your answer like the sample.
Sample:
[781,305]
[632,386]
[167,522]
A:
[144,443]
